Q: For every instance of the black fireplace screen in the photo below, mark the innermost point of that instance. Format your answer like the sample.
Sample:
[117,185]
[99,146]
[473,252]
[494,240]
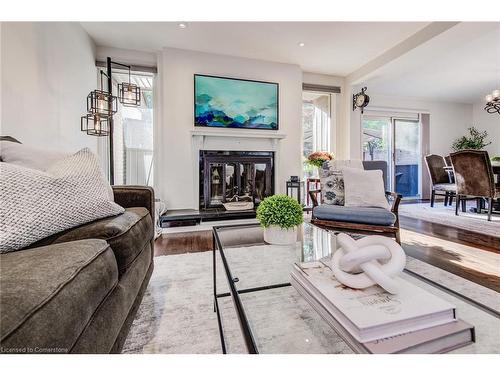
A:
[229,175]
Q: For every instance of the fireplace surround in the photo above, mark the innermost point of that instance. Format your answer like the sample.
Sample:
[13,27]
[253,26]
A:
[227,176]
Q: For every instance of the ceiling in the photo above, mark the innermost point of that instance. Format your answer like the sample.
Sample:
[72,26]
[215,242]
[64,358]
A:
[335,48]
[460,65]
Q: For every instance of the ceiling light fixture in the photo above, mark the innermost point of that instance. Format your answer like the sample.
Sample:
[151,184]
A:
[493,102]
[182,25]
[302,44]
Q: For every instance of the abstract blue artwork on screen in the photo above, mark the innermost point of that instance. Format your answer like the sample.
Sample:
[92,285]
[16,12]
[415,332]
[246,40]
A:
[235,103]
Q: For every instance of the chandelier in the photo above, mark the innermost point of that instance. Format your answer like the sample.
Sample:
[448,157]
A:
[493,102]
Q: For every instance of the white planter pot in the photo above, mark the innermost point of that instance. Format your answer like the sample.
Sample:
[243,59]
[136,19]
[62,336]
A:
[275,235]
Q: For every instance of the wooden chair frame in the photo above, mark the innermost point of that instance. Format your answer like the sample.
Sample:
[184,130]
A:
[389,231]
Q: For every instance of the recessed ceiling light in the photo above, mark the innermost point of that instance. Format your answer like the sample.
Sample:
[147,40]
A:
[302,44]
[182,25]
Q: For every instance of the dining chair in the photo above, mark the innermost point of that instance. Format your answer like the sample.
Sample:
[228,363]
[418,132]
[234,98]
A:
[450,173]
[474,177]
[440,179]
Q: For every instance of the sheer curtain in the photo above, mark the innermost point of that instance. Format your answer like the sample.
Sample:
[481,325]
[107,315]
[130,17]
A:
[321,123]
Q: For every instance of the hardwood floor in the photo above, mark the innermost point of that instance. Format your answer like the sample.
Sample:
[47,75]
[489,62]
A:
[457,235]
[180,243]
[467,254]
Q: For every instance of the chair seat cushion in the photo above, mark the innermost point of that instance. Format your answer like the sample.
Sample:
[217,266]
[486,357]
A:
[445,187]
[360,215]
[127,234]
[49,294]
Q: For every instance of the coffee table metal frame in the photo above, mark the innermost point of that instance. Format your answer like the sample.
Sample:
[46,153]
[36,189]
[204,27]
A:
[234,293]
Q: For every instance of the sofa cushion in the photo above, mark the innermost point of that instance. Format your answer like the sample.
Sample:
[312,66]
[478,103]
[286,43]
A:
[360,215]
[49,294]
[127,234]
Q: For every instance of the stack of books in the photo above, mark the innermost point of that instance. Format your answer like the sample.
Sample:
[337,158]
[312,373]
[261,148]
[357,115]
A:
[374,321]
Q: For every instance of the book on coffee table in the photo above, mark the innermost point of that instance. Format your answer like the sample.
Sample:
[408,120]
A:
[374,321]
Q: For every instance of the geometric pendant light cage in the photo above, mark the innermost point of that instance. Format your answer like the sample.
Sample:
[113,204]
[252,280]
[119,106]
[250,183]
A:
[102,103]
[95,124]
[129,94]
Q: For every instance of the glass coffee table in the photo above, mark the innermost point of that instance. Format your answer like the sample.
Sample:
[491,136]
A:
[258,311]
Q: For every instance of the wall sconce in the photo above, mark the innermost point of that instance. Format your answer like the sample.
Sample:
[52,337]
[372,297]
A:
[493,102]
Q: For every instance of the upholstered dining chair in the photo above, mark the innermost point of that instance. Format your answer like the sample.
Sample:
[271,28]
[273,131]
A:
[440,179]
[474,177]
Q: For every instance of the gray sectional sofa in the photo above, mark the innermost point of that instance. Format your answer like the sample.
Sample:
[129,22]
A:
[78,291]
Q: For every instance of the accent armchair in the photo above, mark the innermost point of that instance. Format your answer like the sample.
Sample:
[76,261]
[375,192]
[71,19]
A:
[363,220]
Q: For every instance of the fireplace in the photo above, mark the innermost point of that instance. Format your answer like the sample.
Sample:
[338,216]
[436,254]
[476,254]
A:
[228,176]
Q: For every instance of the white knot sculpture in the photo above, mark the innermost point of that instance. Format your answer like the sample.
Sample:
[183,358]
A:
[368,261]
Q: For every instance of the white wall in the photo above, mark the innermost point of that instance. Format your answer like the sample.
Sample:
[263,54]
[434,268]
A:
[47,71]
[174,160]
[490,122]
[447,120]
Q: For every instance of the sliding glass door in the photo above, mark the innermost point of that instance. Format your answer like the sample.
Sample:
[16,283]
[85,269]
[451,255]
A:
[397,141]
[407,157]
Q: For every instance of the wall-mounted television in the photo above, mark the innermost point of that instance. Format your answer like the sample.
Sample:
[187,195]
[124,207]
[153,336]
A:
[222,102]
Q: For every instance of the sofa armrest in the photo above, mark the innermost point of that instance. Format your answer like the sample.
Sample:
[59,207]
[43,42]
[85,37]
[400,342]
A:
[135,196]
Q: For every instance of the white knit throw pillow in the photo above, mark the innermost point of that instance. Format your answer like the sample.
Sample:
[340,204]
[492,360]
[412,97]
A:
[36,204]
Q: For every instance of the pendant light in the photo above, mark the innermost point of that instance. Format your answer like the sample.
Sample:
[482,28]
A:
[102,102]
[95,124]
[129,94]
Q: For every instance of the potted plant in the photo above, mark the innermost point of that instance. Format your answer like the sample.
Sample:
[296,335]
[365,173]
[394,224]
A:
[475,141]
[280,215]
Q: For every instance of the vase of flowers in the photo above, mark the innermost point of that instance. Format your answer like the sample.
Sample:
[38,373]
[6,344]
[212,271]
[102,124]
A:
[280,215]
[316,159]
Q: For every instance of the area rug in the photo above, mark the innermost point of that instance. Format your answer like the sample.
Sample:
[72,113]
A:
[446,216]
[177,315]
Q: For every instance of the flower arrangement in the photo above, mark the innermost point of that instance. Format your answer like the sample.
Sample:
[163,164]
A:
[280,210]
[316,159]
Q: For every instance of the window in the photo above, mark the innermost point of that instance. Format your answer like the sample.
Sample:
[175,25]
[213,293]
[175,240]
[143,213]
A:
[316,126]
[133,134]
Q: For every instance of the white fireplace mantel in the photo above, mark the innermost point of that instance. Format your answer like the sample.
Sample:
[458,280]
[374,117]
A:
[237,133]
